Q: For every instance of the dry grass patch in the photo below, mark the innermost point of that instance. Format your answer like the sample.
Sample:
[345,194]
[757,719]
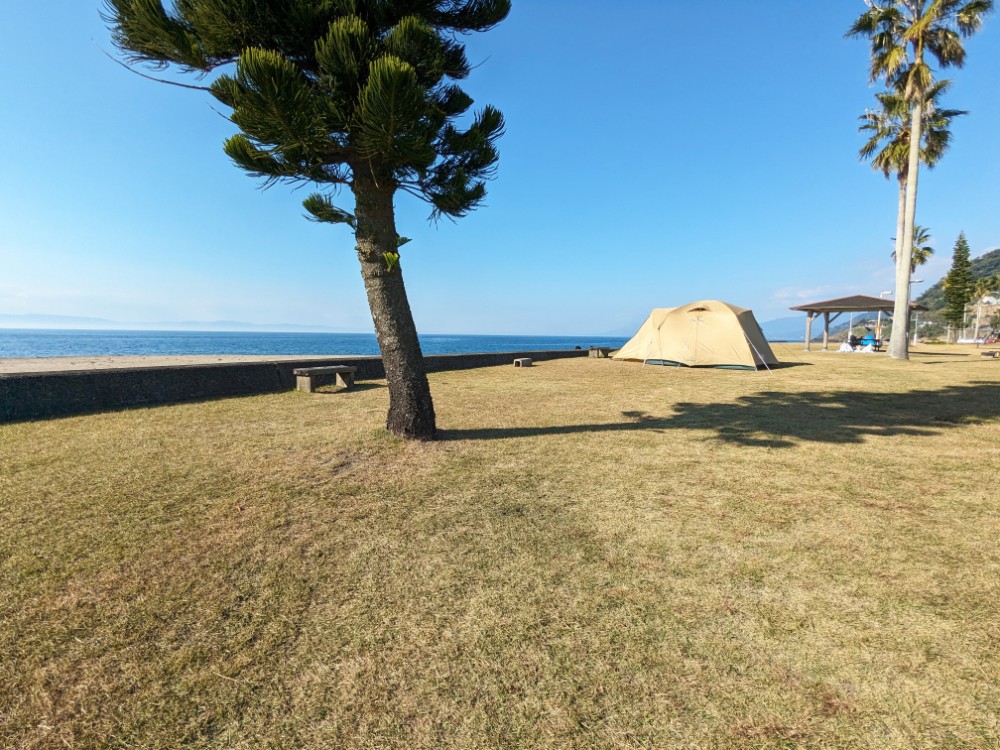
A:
[595,555]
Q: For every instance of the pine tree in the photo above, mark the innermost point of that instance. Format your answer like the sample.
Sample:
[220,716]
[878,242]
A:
[356,94]
[958,283]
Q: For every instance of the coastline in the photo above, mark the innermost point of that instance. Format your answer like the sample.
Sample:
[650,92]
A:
[48,351]
[9,365]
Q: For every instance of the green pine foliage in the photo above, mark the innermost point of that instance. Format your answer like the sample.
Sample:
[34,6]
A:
[359,94]
[986,265]
[324,88]
[958,284]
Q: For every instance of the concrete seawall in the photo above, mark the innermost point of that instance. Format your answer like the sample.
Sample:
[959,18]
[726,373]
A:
[39,395]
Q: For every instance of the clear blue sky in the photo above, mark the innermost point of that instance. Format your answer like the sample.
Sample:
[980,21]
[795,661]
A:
[657,152]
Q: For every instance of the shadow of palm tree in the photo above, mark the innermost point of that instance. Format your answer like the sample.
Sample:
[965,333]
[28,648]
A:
[781,420]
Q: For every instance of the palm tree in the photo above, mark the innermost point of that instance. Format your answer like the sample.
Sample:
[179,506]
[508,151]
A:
[995,282]
[888,144]
[922,251]
[982,287]
[902,33]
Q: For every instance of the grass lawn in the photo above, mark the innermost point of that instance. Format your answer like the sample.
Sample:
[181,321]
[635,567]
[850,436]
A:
[595,555]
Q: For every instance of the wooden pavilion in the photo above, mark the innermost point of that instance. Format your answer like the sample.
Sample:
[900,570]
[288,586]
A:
[837,307]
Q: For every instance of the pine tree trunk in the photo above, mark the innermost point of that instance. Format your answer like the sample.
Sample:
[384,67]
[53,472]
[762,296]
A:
[411,411]
[899,346]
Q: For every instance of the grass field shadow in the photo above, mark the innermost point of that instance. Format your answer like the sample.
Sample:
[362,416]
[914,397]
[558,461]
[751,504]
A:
[330,390]
[781,420]
[787,364]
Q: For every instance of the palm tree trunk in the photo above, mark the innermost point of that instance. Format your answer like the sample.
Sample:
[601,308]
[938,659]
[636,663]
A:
[899,346]
[900,215]
[897,254]
[411,411]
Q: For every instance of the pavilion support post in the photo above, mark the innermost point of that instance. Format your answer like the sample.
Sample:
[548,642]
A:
[809,327]
[826,331]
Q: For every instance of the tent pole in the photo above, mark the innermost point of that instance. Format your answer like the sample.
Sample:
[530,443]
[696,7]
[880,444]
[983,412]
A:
[762,360]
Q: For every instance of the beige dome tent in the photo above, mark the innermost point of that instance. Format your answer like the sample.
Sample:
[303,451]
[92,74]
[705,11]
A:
[700,334]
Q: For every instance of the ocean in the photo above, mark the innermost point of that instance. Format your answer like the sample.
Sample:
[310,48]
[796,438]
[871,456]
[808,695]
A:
[80,343]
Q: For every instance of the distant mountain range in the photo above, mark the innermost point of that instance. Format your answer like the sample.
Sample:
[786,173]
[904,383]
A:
[781,329]
[791,328]
[77,321]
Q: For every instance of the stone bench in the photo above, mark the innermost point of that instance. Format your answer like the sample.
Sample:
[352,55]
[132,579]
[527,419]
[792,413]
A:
[308,378]
[522,362]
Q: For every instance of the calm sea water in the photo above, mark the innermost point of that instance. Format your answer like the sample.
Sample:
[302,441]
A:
[52,343]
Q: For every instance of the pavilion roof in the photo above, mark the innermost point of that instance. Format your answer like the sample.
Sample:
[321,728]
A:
[854,303]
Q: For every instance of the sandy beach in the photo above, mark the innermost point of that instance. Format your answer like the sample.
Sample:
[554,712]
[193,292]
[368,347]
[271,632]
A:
[65,364]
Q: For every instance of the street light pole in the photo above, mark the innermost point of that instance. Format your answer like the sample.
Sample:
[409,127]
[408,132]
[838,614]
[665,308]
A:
[917,314]
[878,322]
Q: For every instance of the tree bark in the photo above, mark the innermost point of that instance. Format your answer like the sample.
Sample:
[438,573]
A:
[411,411]
[900,215]
[898,252]
[899,347]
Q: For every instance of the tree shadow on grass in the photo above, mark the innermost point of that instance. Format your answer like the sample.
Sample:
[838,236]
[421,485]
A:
[333,390]
[788,363]
[926,353]
[782,420]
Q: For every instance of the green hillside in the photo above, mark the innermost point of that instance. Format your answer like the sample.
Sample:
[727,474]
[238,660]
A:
[984,265]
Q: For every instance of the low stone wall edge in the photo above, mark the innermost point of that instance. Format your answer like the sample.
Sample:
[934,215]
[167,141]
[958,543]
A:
[40,395]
